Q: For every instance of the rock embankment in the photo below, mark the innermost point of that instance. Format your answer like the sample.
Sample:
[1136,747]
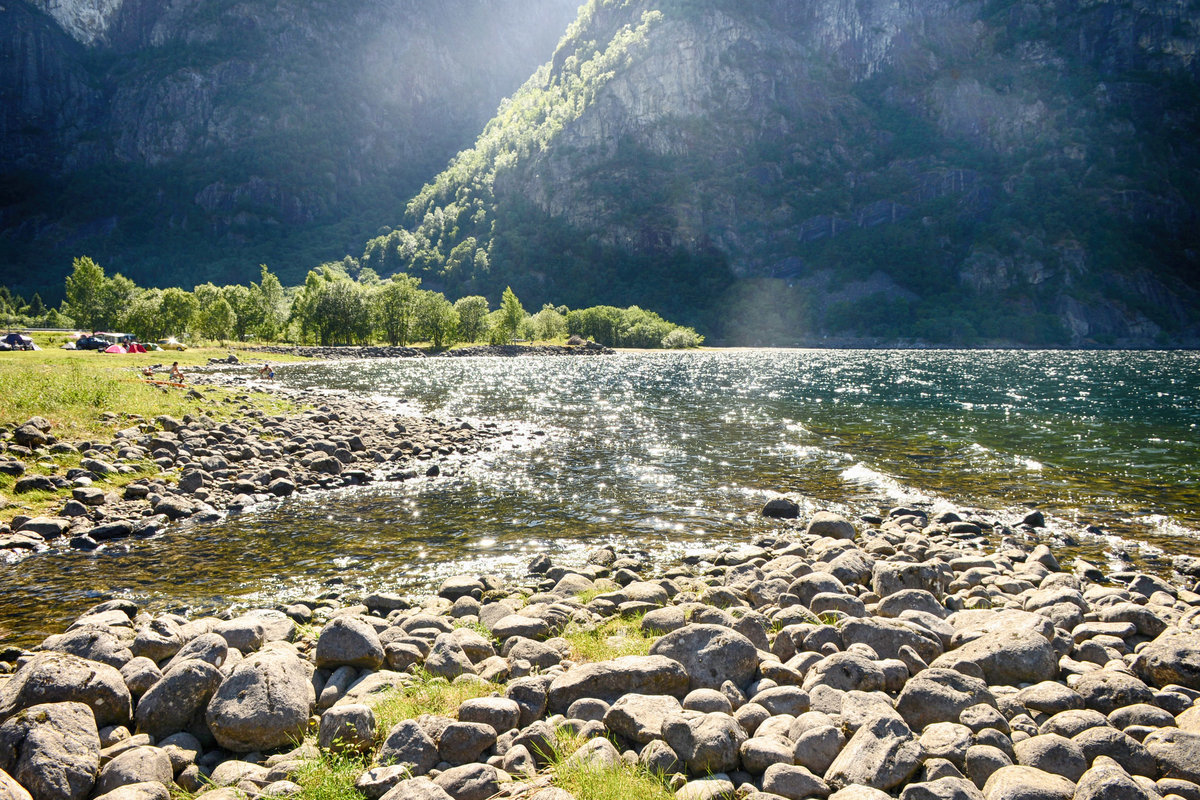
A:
[515,350]
[827,661]
[198,467]
[334,353]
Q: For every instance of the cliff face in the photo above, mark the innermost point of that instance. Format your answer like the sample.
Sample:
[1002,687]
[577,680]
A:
[954,171]
[159,134]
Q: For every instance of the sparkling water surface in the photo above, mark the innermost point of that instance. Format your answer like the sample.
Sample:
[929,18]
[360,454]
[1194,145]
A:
[673,452]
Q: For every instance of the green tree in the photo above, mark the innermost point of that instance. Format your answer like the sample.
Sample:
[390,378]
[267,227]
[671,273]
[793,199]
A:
[272,307]
[85,293]
[245,308]
[175,313]
[395,307]
[472,315]
[548,324]
[142,317]
[342,314]
[214,318]
[115,298]
[37,307]
[511,316]
[436,320]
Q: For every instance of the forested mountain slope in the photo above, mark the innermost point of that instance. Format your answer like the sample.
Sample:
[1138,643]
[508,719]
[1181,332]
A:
[179,141]
[782,172]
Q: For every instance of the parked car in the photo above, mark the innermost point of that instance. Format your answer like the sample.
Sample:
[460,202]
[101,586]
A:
[91,343]
[171,344]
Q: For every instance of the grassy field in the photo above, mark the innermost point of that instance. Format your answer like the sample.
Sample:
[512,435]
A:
[89,396]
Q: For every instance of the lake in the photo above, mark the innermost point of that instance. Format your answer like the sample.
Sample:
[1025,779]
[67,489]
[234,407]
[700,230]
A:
[675,452]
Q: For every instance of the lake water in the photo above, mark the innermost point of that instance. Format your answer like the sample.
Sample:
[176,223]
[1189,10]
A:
[679,451]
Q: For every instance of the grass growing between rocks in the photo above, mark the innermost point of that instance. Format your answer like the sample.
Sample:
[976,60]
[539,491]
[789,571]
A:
[596,782]
[329,777]
[615,637]
[427,695]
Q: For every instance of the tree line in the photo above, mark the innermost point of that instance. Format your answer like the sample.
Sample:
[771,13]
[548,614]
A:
[339,303]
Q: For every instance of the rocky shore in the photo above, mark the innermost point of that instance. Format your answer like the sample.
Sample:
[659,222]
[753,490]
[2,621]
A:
[495,350]
[201,468]
[908,656]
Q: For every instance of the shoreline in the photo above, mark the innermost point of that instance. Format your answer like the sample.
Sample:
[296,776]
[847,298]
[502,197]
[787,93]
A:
[853,661]
[206,469]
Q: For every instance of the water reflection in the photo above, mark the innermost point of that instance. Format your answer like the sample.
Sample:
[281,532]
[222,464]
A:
[672,451]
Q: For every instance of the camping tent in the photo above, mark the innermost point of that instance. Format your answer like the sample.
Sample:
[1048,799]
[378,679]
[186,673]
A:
[19,341]
[116,348]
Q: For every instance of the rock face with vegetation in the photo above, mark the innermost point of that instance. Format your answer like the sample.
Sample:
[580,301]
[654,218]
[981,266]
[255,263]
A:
[914,656]
[182,138]
[779,172]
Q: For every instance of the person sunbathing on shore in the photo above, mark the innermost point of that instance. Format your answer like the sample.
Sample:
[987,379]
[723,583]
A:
[148,372]
[266,370]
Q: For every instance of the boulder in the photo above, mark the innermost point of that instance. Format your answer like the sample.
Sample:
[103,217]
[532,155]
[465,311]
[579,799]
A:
[501,713]
[263,704]
[710,654]
[706,743]
[1177,753]
[1006,657]
[10,789]
[180,696]
[1107,781]
[1173,657]
[834,526]
[408,745]
[940,695]
[347,728]
[136,765]
[792,782]
[93,643]
[639,718]
[609,680]
[349,641]
[61,677]
[52,749]
[470,782]
[881,754]
[1026,783]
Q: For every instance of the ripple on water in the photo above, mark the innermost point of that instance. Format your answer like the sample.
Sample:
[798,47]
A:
[671,452]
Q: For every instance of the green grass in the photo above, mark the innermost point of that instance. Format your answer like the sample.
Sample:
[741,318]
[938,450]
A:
[330,777]
[75,389]
[591,782]
[615,637]
[427,695]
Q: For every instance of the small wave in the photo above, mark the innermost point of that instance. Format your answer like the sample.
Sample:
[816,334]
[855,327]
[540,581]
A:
[891,488]
[1165,526]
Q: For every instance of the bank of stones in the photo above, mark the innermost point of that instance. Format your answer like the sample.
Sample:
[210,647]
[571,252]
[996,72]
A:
[829,660]
[198,468]
[504,351]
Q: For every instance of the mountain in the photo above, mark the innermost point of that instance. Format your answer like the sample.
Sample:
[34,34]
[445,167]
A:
[179,141]
[1010,171]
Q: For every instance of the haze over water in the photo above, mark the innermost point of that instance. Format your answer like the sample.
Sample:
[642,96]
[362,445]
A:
[679,451]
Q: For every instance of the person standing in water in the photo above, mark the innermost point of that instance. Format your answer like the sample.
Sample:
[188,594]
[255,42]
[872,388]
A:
[267,370]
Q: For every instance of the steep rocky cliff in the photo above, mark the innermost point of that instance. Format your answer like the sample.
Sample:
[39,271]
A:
[795,172]
[188,139]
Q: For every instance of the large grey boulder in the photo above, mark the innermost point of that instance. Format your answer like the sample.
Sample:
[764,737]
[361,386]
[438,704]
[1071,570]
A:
[263,704]
[609,680]
[947,788]
[158,639]
[347,728]
[711,655]
[136,765]
[882,754]
[887,636]
[940,695]
[447,658]
[1106,690]
[209,647]
[61,677]
[408,745]
[1027,783]
[349,641]
[826,523]
[1107,781]
[419,788]
[706,743]
[470,782]
[1054,754]
[1173,657]
[501,713]
[792,782]
[464,742]
[1177,753]
[52,749]
[639,717]
[889,577]
[1006,657]
[146,790]
[93,643]
[180,696]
